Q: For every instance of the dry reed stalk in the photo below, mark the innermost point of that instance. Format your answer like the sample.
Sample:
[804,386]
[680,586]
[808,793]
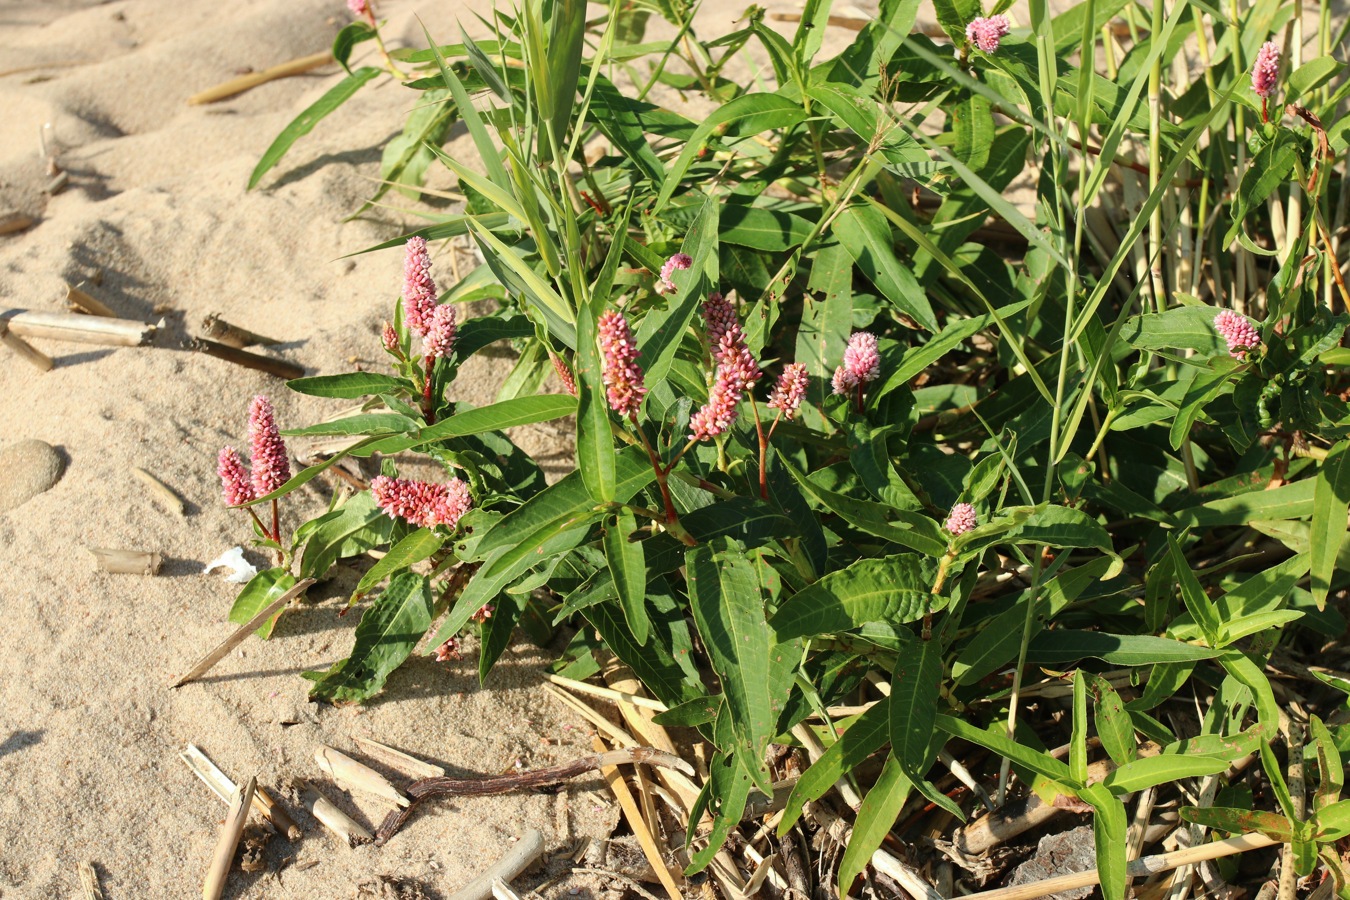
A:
[334,819]
[357,776]
[228,842]
[127,562]
[235,86]
[1148,865]
[216,328]
[81,329]
[609,694]
[642,829]
[616,734]
[397,759]
[272,366]
[241,634]
[528,849]
[26,351]
[166,495]
[80,302]
[221,785]
[89,882]
[12,221]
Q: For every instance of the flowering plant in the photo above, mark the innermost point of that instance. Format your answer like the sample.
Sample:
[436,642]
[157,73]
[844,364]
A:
[830,444]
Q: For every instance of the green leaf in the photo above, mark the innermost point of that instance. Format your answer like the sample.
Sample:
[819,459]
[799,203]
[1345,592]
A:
[1206,385]
[351,34]
[1240,821]
[386,635]
[1289,501]
[304,123]
[367,423]
[262,589]
[662,329]
[1201,608]
[1113,722]
[1078,757]
[1182,328]
[1060,526]
[725,597]
[864,233]
[746,116]
[1332,822]
[827,317]
[894,589]
[1065,645]
[409,551]
[915,688]
[1035,760]
[913,530]
[876,816]
[1330,770]
[350,530]
[1331,499]
[1311,75]
[628,565]
[350,386]
[1150,771]
[1248,673]
[493,417]
[863,738]
[1108,832]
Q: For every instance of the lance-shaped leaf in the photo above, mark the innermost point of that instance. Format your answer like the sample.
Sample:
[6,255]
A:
[349,386]
[629,568]
[1240,821]
[878,813]
[412,549]
[915,687]
[1150,771]
[864,737]
[1331,498]
[1201,608]
[895,589]
[1108,831]
[304,123]
[261,590]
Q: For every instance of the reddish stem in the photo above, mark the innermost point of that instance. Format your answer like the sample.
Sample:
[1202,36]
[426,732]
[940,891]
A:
[671,515]
[276,523]
[763,450]
[427,412]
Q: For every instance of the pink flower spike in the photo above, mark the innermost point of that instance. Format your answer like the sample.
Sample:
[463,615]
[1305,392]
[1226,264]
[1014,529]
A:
[422,503]
[359,7]
[1266,71]
[719,317]
[448,651]
[267,451]
[961,519]
[564,374]
[1238,332]
[618,352]
[844,381]
[788,392]
[728,343]
[440,337]
[719,413]
[389,338]
[986,33]
[234,483]
[678,262]
[419,291]
[861,357]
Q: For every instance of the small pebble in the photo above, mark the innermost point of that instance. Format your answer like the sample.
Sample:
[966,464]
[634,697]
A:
[27,468]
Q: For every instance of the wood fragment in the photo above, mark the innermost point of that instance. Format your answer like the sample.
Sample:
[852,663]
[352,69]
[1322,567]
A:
[23,349]
[646,839]
[272,366]
[1148,865]
[216,328]
[12,221]
[502,891]
[57,184]
[80,302]
[241,634]
[228,842]
[613,696]
[80,329]
[430,788]
[235,86]
[397,759]
[165,494]
[221,785]
[334,819]
[528,849]
[357,776]
[127,562]
[89,882]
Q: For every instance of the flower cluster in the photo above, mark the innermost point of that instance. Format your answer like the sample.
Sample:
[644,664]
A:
[448,651]
[422,503]
[271,467]
[618,353]
[1266,71]
[737,371]
[360,8]
[678,262]
[1239,333]
[862,363]
[961,519]
[389,338]
[987,32]
[440,337]
[483,614]
[787,394]
[564,374]
[419,291]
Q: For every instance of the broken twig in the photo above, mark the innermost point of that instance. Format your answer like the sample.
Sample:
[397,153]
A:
[81,329]
[172,502]
[24,349]
[272,366]
[221,785]
[529,848]
[334,819]
[228,842]
[357,776]
[127,562]
[239,636]
[216,328]
[234,86]
[81,302]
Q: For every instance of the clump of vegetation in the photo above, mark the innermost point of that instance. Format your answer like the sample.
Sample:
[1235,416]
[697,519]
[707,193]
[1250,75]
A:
[871,455]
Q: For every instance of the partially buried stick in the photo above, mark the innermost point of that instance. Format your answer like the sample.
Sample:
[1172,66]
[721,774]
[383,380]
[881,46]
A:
[22,348]
[228,842]
[216,328]
[429,788]
[529,848]
[241,634]
[243,83]
[79,328]
[272,366]
[127,562]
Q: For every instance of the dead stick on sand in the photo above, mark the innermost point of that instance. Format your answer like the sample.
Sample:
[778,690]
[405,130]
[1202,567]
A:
[24,349]
[127,562]
[234,640]
[529,848]
[79,301]
[89,881]
[11,220]
[221,785]
[429,788]
[278,367]
[172,502]
[228,842]
[253,79]
[79,328]
[1149,865]
[216,328]
[333,818]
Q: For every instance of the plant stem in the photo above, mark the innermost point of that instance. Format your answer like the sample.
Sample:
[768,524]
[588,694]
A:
[276,523]
[943,565]
[427,412]
[763,451]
